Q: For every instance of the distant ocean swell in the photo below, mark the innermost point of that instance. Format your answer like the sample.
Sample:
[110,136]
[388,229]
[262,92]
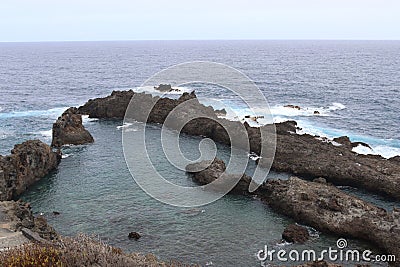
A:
[384,147]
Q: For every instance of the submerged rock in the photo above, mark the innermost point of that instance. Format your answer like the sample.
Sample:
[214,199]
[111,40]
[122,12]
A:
[27,164]
[134,235]
[68,129]
[295,233]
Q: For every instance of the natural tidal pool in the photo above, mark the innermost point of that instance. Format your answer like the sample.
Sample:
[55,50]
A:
[95,193]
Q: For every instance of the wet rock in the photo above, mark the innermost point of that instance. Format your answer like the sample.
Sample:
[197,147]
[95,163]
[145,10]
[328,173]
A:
[220,112]
[206,172]
[330,210]
[56,213]
[134,235]
[343,140]
[68,129]
[355,144]
[293,106]
[27,164]
[295,233]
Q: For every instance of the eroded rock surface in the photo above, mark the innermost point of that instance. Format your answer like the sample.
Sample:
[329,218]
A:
[206,172]
[319,205]
[304,155]
[28,163]
[68,129]
[16,215]
[295,233]
[330,210]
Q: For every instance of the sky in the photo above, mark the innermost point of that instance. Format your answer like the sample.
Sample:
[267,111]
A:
[92,20]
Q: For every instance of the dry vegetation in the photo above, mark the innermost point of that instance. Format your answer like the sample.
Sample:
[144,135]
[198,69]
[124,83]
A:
[81,250]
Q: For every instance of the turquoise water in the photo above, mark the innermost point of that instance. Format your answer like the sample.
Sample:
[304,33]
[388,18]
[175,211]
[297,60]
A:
[94,192]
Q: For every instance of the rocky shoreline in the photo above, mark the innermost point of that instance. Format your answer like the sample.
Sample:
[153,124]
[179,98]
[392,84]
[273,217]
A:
[320,205]
[303,155]
[317,204]
[27,164]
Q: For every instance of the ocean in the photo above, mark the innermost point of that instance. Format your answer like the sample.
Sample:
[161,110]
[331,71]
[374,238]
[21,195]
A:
[354,85]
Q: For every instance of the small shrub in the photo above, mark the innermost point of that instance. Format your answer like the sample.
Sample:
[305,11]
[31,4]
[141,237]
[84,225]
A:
[31,255]
[78,251]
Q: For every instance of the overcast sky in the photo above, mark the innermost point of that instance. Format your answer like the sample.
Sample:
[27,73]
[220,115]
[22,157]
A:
[78,20]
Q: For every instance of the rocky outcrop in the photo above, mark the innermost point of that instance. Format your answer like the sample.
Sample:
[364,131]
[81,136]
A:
[345,141]
[304,155]
[292,106]
[17,215]
[113,106]
[295,233]
[316,204]
[206,172]
[330,210]
[68,129]
[28,163]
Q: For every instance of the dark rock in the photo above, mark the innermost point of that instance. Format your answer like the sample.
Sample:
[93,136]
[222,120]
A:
[355,144]
[286,127]
[68,129]
[134,235]
[292,106]
[113,106]
[27,164]
[56,213]
[303,155]
[18,215]
[220,112]
[343,140]
[395,159]
[206,172]
[306,156]
[330,210]
[316,112]
[44,229]
[295,233]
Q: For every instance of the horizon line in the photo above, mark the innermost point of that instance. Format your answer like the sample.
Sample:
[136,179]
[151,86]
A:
[233,39]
